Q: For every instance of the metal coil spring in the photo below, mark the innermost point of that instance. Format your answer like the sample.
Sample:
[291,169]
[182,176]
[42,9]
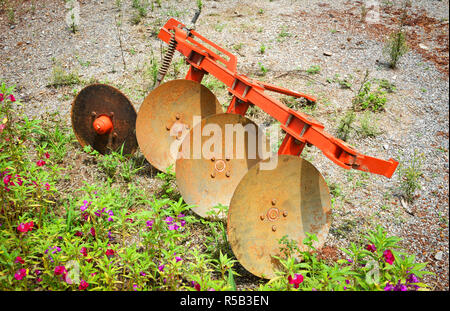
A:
[167,60]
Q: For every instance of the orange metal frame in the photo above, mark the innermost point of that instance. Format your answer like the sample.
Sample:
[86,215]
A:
[208,58]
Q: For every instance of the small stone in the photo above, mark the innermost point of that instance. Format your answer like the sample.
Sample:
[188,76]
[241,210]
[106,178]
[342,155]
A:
[439,255]
[386,146]
[12,27]
[423,47]
[327,53]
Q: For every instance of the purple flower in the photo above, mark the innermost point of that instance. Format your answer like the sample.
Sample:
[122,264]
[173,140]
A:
[400,287]
[110,219]
[85,205]
[149,223]
[142,273]
[173,227]
[110,213]
[371,248]
[169,220]
[389,287]
[161,268]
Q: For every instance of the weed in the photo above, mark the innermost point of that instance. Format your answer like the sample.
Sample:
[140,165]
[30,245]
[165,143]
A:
[62,78]
[366,99]
[283,34]
[262,48]
[219,27]
[314,69]
[345,125]
[410,176]
[395,47]
[368,126]
[263,70]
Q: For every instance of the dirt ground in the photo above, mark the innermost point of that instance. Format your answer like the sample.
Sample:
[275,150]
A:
[277,42]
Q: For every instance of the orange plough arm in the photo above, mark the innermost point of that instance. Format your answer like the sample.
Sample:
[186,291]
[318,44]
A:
[205,57]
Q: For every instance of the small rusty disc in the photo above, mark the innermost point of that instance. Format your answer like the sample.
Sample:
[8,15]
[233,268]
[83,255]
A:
[167,114]
[204,176]
[255,225]
[97,100]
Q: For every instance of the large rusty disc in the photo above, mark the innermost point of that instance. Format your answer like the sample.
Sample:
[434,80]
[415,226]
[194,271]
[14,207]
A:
[98,100]
[166,116]
[289,200]
[214,157]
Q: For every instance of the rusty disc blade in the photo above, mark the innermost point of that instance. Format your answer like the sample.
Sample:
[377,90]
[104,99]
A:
[166,116]
[214,157]
[99,100]
[268,204]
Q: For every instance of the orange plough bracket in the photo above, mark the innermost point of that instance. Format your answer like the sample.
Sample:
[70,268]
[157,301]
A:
[205,57]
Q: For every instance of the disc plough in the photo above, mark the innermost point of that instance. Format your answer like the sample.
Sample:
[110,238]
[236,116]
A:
[224,157]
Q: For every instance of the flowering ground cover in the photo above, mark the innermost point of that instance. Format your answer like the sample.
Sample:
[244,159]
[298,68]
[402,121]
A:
[114,234]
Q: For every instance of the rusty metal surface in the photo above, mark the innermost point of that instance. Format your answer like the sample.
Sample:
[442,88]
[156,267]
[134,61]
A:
[268,204]
[166,116]
[96,100]
[211,179]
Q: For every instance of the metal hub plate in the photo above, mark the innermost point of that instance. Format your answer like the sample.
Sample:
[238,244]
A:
[100,99]
[167,115]
[208,178]
[289,200]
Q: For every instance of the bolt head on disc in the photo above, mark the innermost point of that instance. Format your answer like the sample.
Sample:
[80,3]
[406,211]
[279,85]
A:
[289,200]
[214,157]
[166,116]
[97,100]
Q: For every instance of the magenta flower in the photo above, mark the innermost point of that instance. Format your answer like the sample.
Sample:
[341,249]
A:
[298,278]
[388,256]
[161,267]
[371,248]
[78,233]
[83,285]
[47,186]
[11,97]
[25,227]
[84,251]
[173,227]
[19,275]
[92,231]
[1,97]
[40,163]
[47,155]
[149,223]
[19,260]
[169,220]
[60,270]
[109,252]
[2,127]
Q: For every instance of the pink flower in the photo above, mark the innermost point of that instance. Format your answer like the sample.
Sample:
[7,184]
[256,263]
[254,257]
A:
[11,97]
[40,163]
[92,231]
[60,270]
[7,179]
[47,155]
[1,97]
[109,252]
[19,275]
[196,286]
[19,260]
[47,186]
[83,285]
[25,227]
[388,256]
[371,248]
[78,233]
[2,127]
[84,251]
[298,278]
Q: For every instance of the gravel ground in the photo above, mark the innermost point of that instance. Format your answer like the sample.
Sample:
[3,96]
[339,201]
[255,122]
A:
[296,35]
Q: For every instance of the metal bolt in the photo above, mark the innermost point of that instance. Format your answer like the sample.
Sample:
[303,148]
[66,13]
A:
[177,116]
[213,159]
[213,175]
[227,159]
[111,114]
[93,113]
[114,135]
[228,174]
[261,217]
[274,228]
[167,127]
[274,201]
[285,213]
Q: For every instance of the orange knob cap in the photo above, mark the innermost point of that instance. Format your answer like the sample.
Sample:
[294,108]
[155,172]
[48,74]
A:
[102,125]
